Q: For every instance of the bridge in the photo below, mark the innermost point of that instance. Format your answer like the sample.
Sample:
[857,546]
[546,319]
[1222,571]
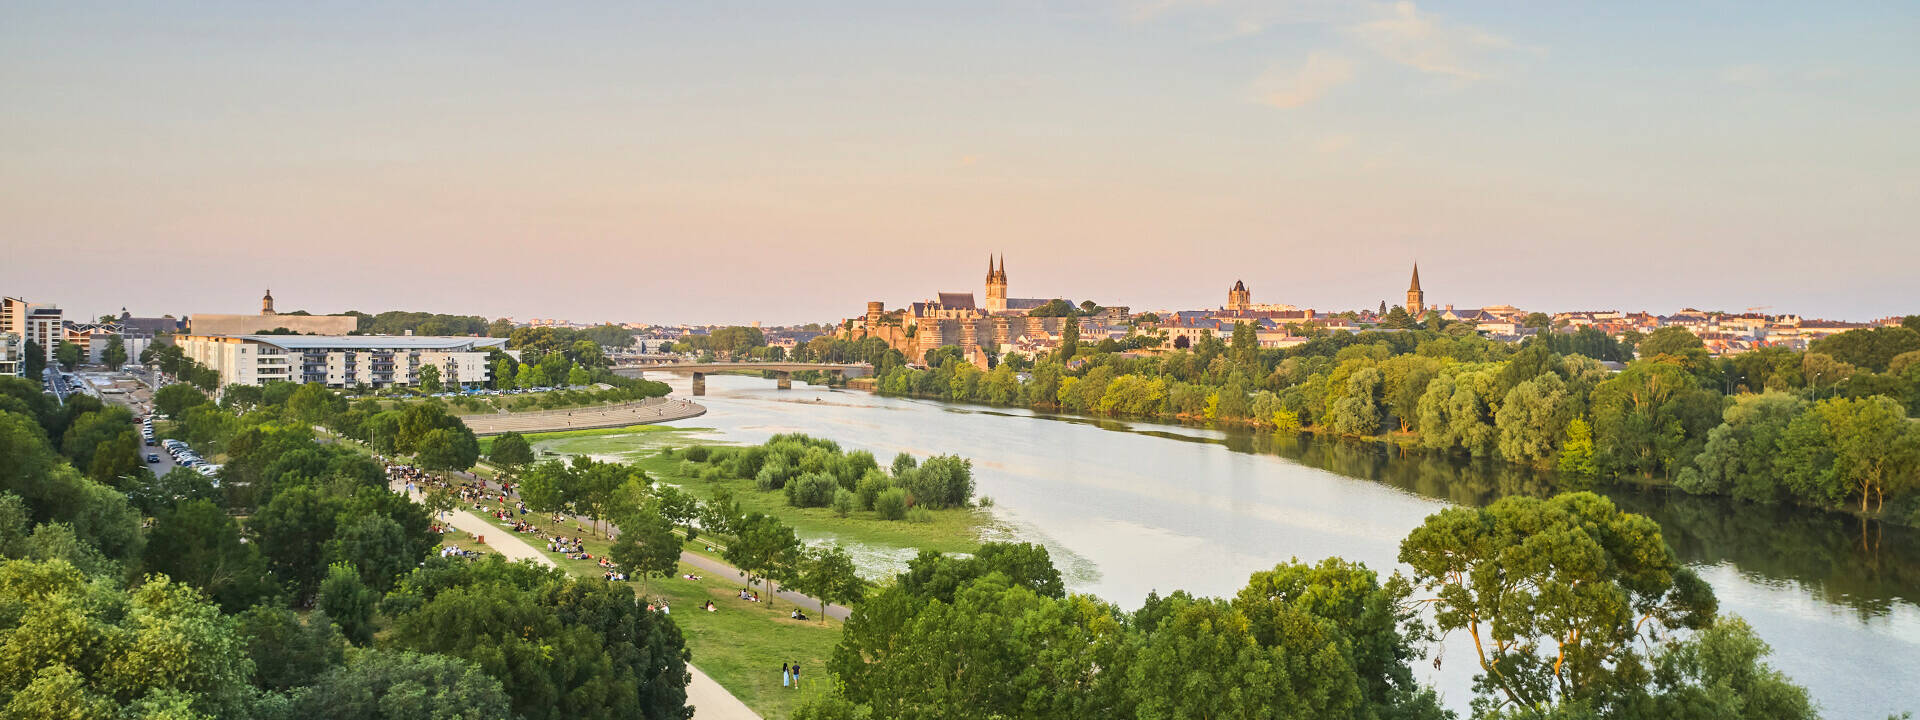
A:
[782,371]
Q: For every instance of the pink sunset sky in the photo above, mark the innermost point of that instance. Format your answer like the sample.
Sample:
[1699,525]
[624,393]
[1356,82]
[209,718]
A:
[730,162]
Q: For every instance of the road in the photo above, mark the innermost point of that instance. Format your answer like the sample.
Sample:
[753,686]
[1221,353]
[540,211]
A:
[709,700]
[138,398]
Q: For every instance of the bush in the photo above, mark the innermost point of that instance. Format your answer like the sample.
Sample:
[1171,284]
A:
[919,515]
[773,475]
[843,502]
[811,490]
[902,463]
[941,482]
[891,504]
[697,453]
[870,487]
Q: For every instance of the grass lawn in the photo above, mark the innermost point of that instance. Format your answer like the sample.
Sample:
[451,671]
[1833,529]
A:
[605,441]
[742,643]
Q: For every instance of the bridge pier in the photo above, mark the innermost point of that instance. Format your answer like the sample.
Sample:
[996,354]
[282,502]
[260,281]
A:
[699,384]
[783,380]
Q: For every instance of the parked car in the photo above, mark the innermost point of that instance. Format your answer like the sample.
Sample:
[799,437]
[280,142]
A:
[153,458]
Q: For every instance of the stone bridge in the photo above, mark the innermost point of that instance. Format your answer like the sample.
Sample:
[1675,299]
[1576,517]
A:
[782,371]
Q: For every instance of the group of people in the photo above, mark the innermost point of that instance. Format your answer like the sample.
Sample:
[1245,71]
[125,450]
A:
[749,595]
[790,674]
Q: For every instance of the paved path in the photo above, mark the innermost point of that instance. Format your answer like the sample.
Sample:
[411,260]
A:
[709,700]
[644,412]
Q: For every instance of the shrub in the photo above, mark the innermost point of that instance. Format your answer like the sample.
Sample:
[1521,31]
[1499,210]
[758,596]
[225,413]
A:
[773,475]
[843,502]
[919,515]
[941,482]
[811,490]
[697,453]
[891,504]
[902,463]
[870,487]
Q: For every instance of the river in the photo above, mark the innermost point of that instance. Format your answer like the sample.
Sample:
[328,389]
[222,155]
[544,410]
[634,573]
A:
[1129,507]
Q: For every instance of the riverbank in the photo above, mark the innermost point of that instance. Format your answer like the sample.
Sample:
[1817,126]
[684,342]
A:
[643,412]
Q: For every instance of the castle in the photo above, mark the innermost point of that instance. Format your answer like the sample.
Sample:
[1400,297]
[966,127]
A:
[979,329]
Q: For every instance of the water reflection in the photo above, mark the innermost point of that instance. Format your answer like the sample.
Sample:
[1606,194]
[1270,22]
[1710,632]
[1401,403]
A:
[1864,565]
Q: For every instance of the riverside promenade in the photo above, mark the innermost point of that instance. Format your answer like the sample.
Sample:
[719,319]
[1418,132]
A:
[709,700]
[644,412]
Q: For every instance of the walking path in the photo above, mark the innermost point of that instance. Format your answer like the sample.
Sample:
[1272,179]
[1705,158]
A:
[709,700]
[644,412]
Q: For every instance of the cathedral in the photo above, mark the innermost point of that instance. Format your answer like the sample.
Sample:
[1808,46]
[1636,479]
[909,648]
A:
[978,328]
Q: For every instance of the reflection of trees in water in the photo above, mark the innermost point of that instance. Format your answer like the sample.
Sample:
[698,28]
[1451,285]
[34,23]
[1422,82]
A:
[1847,561]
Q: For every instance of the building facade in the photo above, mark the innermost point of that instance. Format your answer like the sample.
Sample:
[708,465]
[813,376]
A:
[342,361]
[268,320]
[1239,298]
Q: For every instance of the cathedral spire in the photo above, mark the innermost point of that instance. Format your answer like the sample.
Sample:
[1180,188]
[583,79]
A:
[1415,287]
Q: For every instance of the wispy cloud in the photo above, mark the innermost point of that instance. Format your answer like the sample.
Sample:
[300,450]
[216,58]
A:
[1402,33]
[1286,87]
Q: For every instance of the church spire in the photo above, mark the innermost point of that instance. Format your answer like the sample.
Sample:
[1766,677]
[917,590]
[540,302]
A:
[1415,287]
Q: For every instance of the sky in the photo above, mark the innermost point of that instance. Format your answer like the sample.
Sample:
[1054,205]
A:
[725,162]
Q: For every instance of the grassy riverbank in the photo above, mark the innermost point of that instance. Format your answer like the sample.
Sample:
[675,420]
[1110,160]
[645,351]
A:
[954,530]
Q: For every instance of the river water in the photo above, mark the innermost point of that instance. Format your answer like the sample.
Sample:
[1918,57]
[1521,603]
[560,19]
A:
[1129,507]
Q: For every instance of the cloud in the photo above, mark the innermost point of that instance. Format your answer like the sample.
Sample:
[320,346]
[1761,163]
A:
[1403,34]
[1292,88]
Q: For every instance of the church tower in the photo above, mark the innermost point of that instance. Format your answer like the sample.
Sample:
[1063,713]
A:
[266,303]
[1239,298]
[996,286]
[1416,299]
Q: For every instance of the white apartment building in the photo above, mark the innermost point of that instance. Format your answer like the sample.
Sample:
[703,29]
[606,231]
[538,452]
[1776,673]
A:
[33,322]
[342,361]
[10,349]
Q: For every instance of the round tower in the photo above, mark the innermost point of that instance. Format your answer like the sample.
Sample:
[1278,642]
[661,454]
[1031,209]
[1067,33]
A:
[874,311]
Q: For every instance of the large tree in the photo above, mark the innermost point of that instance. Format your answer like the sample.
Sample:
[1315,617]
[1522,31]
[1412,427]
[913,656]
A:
[765,549]
[1558,596]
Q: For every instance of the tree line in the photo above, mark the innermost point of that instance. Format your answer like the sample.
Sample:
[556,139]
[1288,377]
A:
[1672,415]
[128,595]
[1576,609]
[816,472]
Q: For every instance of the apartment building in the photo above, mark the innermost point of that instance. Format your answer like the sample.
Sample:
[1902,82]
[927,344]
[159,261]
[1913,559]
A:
[342,361]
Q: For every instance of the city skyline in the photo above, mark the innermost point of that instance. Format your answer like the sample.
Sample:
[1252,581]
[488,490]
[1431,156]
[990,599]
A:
[722,164]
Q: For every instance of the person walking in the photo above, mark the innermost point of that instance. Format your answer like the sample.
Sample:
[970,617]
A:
[786,676]
[796,675]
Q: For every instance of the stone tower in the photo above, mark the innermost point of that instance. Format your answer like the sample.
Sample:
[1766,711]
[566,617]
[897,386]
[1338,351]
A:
[874,311]
[1239,298]
[266,303]
[996,286]
[1416,300]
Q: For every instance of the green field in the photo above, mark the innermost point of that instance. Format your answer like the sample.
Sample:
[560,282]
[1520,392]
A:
[607,442]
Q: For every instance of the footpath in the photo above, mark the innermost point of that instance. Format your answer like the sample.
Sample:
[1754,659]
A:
[709,700]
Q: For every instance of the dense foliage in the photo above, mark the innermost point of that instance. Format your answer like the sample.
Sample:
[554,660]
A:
[137,596]
[814,472]
[1674,414]
[995,635]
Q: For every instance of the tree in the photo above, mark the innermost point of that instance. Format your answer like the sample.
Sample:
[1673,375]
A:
[829,576]
[579,377]
[1070,338]
[1538,321]
[375,546]
[1673,341]
[74,647]
[173,400]
[286,652]
[1576,453]
[400,685]
[429,378]
[1846,447]
[1556,595]
[1651,416]
[68,354]
[294,524]
[1245,347]
[765,549]
[196,543]
[34,360]
[1870,348]
[504,369]
[511,453]
[1531,419]
[1718,674]
[348,602]
[447,449]
[1741,455]
[116,352]
[646,547]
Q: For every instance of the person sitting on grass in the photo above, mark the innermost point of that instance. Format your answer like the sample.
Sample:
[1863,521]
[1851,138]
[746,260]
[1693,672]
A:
[709,606]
